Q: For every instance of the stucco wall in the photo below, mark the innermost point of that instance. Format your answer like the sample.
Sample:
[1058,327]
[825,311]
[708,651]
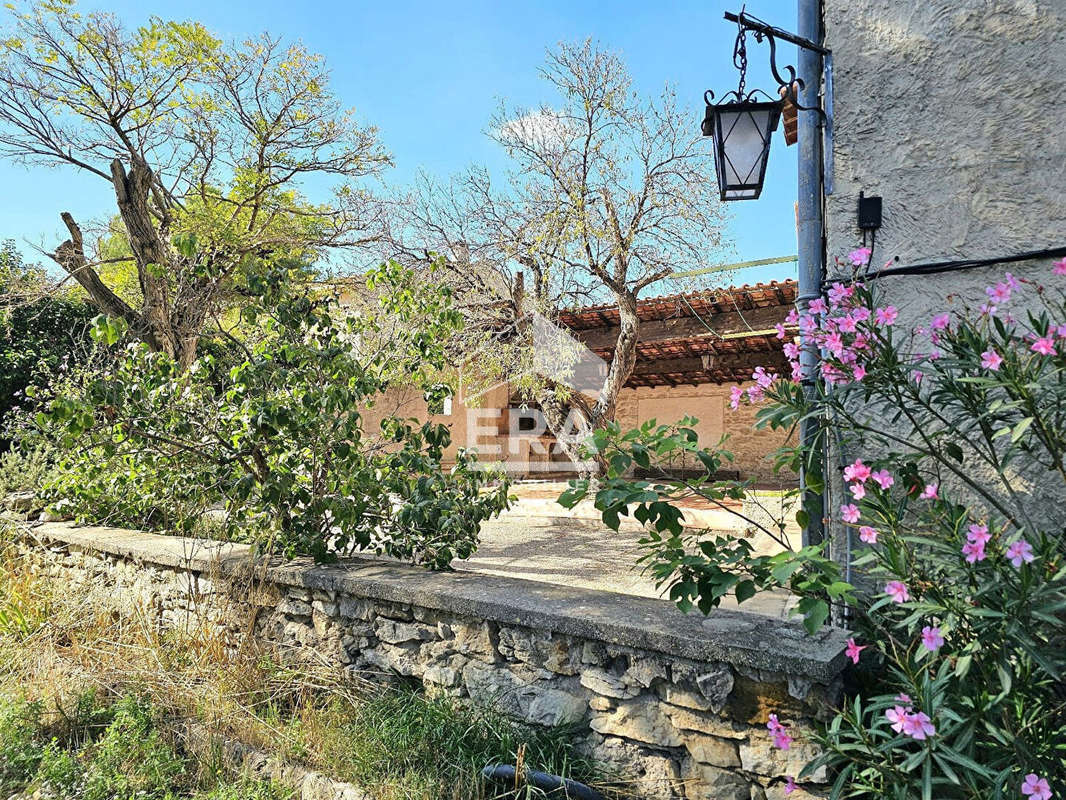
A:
[709,403]
[951,110]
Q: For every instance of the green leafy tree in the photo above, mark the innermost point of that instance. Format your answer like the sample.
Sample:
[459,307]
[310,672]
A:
[205,146]
[282,435]
[39,331]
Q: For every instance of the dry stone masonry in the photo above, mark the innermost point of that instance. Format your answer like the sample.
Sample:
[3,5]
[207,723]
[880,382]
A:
[675,703]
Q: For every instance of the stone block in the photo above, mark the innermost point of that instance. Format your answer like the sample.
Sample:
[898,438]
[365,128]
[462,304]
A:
[355,608]
[609,685]
[716,684]
[758,755]
[393,632]
[295,608]
[687,719]
[707,781]
[713,750]
[645,671]
[641,720]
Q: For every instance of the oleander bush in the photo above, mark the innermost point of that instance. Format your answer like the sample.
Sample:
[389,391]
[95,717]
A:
[952,436]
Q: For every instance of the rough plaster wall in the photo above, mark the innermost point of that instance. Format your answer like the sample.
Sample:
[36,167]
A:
[952,111]
[710,404]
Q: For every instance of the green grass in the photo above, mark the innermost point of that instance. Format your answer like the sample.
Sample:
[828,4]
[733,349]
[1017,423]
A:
[95,751]
[399,743]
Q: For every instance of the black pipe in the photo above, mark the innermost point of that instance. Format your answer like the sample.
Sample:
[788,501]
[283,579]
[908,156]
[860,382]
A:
[504,775]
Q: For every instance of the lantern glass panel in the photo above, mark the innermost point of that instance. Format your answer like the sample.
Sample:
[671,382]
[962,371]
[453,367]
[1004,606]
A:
[742,134]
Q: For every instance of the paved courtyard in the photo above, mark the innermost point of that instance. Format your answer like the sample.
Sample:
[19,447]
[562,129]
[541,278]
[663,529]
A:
[540,541]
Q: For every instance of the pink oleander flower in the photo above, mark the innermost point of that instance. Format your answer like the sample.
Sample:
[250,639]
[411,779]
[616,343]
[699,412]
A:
[940,322]
[886,316]
[1011,281]
[918,375]
[846,324]
[990,359]
[849,513]
[902,697]
[857,471]
[792,350]
[853,650]
[860,257]
[807,325]
[1020,551]
[978,533]
[1044,345]
[858,491]
[834,344]
[932,640]
[790,785]
[883,478]
[1059,267]
[763,378]
[858,372]
[792,317]
[974,551]
[782,741]
[897,590]
[1035,787]
[735,395]
[780,328]
[897,715]
[838,293]
[755,394]
[918,726]
[868,534]
[930,492]
[998,294]
[860,314]
[817,306]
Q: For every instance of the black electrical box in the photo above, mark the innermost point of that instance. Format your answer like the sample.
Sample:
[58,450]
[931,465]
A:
[869,212]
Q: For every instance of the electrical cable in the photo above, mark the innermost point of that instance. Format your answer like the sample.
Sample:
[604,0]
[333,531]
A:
[937,267]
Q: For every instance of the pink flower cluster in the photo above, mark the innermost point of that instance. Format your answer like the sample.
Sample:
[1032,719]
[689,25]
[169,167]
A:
[1018,552]
[976,538]
[782,741]
[763,381]
[905,720]
[842,327]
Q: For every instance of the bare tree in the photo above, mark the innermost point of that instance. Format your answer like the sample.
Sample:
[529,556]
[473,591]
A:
[204,144]
[609,193]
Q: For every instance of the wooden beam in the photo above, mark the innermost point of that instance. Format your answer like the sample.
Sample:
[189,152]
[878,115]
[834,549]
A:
[707,365]
[729,324]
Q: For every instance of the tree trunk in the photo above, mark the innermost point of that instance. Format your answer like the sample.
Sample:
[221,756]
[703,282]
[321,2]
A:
[574,421]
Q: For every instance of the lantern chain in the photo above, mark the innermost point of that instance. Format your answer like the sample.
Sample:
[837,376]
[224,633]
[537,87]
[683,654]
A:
[740,56]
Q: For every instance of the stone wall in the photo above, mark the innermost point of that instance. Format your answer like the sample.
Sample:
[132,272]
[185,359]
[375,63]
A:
[709,403]
[676,704]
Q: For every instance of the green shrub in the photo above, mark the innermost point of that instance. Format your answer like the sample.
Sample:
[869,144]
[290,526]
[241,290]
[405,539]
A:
[282,435]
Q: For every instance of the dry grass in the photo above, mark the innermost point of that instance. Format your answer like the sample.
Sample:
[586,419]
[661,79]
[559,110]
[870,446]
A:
[58,640]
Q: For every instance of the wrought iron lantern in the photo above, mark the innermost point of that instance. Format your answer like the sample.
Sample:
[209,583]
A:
[741,130]
[742,125]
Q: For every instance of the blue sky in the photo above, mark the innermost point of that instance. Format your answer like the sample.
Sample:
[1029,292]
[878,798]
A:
[430,74]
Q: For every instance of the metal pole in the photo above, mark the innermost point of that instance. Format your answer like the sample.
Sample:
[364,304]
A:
[809,228]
